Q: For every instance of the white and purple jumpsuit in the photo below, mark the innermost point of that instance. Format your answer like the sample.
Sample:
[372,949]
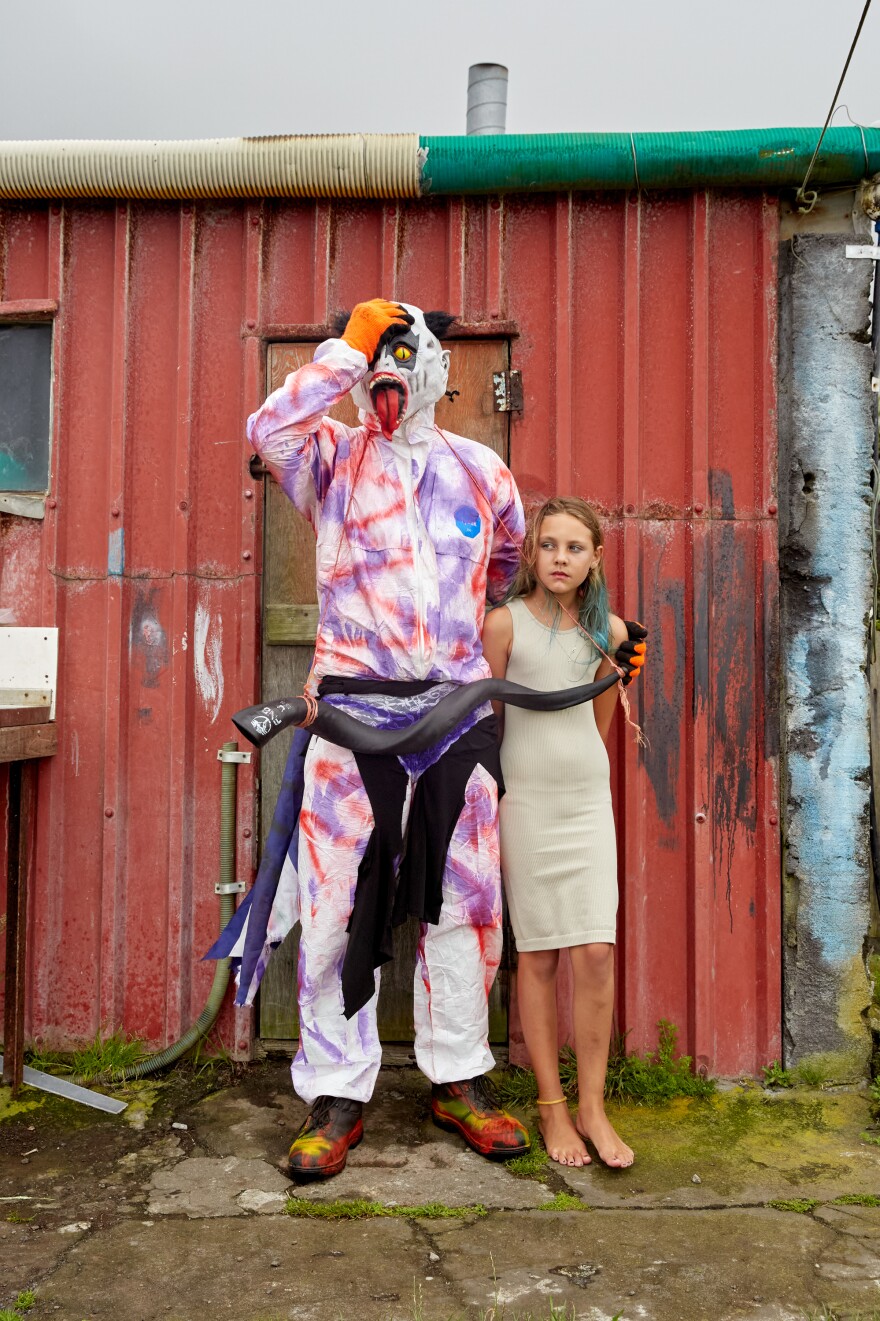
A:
[432,524]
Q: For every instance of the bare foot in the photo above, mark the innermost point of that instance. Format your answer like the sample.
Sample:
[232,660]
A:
[561,1138]
[595,1126]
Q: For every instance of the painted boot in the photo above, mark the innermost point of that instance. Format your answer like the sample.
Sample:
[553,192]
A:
[472,1108]
[321,1146]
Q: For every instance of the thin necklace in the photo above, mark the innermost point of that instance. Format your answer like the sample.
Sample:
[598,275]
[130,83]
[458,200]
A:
[553,611]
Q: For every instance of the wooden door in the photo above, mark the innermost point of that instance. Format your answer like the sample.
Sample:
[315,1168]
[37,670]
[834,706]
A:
[289,623]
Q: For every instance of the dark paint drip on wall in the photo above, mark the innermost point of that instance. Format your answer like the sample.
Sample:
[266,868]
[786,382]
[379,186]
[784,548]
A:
[147,637]
[665,693]
[734,803]
[772,663]
[702,686]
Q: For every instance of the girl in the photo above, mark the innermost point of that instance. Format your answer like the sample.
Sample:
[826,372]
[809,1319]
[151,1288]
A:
[558,847]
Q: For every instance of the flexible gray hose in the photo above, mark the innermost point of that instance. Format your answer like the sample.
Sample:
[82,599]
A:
[259,724]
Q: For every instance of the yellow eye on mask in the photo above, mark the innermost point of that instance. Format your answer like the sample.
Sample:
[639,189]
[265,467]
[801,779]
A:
[402,353]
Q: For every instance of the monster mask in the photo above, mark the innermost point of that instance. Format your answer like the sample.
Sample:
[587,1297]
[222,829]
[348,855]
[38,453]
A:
[409,371]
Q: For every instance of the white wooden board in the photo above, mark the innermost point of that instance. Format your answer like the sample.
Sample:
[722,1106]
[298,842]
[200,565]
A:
[29,660]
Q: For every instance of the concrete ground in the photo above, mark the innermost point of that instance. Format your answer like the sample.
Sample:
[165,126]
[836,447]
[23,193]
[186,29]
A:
[177,1211]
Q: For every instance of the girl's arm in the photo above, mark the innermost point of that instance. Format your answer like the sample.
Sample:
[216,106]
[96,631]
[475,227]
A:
[604,705]
[497,641]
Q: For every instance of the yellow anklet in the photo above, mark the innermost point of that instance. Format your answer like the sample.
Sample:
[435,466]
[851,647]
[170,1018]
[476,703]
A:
[559,1101]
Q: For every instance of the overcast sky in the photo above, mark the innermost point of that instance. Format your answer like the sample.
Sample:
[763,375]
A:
[229,68]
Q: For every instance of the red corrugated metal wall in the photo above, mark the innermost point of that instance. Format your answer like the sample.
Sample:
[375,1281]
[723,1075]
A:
[645,333]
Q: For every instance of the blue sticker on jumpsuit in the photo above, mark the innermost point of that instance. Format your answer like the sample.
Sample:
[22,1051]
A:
[467,520]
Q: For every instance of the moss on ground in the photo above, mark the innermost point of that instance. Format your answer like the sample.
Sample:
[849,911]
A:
[171,1092]
[45,1109]
[742,1139]
[830,1068]
[360,1209]
[27,1100]
[565,1202]
[142,1099]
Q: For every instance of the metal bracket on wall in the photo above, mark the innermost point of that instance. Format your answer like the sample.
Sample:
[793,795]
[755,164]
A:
[229,887]
[240,757]
[508,390]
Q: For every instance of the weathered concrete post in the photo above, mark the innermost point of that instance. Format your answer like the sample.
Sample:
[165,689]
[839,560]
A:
[826,450]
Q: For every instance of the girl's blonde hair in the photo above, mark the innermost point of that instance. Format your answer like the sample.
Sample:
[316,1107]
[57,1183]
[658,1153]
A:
[593,605]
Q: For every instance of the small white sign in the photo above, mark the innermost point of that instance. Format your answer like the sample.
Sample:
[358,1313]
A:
[29,661]
[868,250]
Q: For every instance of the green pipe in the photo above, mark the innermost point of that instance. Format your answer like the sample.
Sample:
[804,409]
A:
[206,1019]
[769,158]
[383,165]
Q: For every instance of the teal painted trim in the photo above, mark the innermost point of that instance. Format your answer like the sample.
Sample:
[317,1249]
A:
[546,162]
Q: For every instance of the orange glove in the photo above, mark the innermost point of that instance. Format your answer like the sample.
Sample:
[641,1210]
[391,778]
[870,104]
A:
[369,322]
[630,655]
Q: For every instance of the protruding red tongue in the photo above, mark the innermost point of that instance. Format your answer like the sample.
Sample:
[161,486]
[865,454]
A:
[386,399]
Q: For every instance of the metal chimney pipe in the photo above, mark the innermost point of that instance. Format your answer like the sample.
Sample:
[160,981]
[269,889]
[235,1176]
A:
[487,99]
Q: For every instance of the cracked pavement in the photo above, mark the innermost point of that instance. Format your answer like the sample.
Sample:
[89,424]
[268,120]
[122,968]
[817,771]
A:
[176,1211]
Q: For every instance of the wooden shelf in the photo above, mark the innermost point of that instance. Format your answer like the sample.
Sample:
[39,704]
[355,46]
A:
[24,742]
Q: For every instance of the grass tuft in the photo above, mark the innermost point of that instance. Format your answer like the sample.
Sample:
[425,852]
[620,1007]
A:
[557,1312]
[656,1076]
[874,1098]
[776,1076]
[23,1303]
[360,1209]
[650,1079]
[565,1202]
[857,1199]
[812,1073]
[533,1161]
[800,1205]
[208,1055]
[103,1057]
[517,1087]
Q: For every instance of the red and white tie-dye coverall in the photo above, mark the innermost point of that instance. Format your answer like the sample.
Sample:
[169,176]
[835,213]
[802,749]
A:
[401,595]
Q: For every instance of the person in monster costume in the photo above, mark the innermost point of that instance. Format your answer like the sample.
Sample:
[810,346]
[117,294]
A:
[415,528]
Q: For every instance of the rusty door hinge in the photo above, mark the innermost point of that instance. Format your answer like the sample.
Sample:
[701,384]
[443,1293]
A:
[507,388]
[257,468]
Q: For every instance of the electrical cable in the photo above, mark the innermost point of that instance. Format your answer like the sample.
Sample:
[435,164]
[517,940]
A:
[807,200]
[861,127]
[632,143]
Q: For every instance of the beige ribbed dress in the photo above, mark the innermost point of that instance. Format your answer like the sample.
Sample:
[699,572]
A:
[558,847]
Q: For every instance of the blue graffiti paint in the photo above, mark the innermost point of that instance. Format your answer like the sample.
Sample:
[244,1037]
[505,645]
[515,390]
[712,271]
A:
[467,520]
[116,553]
